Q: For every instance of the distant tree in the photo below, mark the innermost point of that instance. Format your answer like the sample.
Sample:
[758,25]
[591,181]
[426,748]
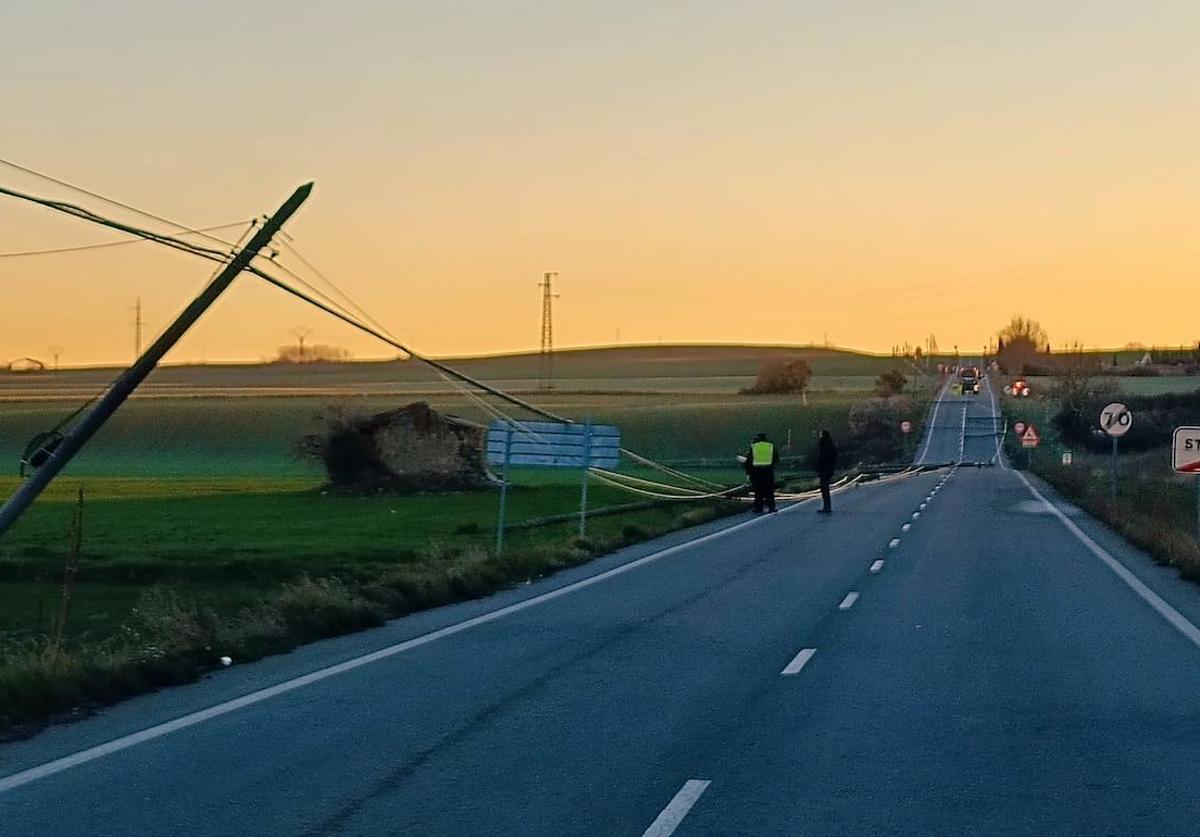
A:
[1019,344]
[890,383]
[874,427]
[318,353]
[778,377]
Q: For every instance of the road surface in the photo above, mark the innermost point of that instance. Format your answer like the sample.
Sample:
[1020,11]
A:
[946,654]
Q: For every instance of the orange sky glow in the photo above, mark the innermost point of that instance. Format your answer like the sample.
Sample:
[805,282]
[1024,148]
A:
[868,173]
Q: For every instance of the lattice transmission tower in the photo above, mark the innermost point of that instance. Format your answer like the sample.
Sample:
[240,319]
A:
[546,360]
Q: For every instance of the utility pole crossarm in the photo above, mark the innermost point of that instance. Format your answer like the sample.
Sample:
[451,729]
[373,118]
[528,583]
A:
[129,380]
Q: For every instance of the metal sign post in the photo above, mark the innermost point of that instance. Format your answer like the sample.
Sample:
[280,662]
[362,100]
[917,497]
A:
[1029,441]
[1115,420]
[503,491]
[587,457]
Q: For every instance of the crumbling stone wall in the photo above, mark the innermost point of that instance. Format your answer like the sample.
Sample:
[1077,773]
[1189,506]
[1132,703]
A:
[414,449]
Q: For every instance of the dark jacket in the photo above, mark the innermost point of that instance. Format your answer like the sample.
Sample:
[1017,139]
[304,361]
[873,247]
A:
[826,457]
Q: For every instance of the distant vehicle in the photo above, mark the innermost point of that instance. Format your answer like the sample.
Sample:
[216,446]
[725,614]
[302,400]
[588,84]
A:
[1020,388]
[968,379]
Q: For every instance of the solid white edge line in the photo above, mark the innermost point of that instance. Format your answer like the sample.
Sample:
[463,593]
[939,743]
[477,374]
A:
[1177,619]
[849,601]
[124,742]
[877,566]
[669,819]
[937,405]
[798,662]
[995,415]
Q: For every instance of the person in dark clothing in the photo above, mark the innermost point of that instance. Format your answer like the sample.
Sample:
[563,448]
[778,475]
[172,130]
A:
[760,467]
[826,462]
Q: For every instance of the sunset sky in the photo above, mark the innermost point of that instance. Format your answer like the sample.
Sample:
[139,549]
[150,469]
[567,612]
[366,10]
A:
[700,171]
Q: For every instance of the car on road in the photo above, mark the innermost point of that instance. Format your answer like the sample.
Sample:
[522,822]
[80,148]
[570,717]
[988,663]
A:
[968,379]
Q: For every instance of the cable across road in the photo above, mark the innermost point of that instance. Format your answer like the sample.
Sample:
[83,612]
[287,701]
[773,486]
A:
[359,321]
[327,304]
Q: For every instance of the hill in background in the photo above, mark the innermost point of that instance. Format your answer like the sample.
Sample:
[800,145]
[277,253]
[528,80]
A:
[620,367]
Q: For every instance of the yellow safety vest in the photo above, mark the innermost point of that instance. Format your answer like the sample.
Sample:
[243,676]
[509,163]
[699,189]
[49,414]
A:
[762,454]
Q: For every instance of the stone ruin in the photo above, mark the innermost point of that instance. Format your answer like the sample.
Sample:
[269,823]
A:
[410,450]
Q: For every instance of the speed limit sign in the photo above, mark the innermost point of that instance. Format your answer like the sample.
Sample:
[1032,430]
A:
[1115,419]
[906,426]
[1019,428]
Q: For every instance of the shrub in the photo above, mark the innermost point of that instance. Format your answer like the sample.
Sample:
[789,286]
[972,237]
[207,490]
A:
[875,429]
[890,383]
[779,377]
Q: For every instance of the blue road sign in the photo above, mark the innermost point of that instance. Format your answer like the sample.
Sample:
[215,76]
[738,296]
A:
[549,444]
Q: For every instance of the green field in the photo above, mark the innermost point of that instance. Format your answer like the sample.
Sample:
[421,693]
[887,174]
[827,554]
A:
[195,486]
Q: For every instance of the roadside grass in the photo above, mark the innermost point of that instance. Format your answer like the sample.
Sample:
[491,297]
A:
[1154,508]
[170,638]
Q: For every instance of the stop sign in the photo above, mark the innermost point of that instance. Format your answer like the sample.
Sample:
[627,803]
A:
[1019,428]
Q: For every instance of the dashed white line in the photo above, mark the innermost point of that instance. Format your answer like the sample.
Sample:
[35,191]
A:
[905,527]
[849,601]
[915,515]
[798,662]
[893,543]
[670,818]
[877,566]
[924,506]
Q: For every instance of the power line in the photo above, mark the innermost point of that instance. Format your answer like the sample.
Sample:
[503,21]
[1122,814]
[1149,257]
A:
[100,246]
[329,306]
[106,199]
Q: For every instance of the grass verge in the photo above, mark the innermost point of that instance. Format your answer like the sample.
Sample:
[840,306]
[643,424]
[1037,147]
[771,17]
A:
[171,639]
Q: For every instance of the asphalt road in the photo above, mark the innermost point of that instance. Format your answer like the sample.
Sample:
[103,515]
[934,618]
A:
[946,654]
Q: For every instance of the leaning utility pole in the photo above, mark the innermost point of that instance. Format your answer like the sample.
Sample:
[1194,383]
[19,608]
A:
[547,351]
[71,443]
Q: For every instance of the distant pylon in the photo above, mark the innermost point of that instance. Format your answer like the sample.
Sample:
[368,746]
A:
[547,348]
[137,329]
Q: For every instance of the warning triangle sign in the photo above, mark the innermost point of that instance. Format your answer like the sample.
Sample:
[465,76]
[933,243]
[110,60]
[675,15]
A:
[1030,437]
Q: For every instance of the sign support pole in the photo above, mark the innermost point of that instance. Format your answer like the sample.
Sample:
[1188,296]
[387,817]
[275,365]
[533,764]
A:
[1113,490]
[1198,509]
[503,491]
[587,461]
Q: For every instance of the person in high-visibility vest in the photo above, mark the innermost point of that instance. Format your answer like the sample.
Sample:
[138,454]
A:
[760,466]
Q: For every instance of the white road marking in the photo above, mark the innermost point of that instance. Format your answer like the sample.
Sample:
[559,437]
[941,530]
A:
[924,506]
[905,527]
[893,543]
[877,566]
[915,515]
[798,662]
[962,438]
[1177,619]
[157,731]
[670,818]
[849,601]
[937,405]
[999,458]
